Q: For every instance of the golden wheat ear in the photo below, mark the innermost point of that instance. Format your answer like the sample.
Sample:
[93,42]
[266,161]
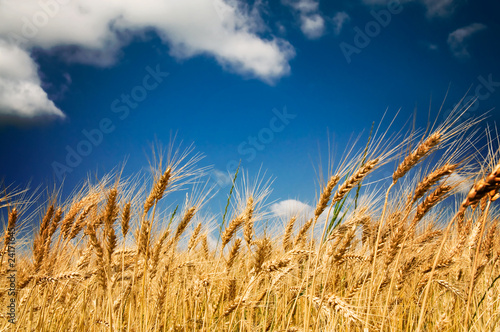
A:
[287,236]
[417,155]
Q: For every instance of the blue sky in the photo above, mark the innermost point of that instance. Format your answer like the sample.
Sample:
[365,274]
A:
[260,81]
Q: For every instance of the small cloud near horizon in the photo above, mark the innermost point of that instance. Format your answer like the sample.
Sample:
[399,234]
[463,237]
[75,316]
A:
[291,207]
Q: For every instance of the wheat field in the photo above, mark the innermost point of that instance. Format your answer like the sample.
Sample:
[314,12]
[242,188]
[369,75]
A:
[408,252]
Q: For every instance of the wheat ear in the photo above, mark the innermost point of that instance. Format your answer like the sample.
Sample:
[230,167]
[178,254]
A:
[9,232]
[230,230]
[354,179]
[417,155]
[158,190]
[431,179]
[325,196]
[287,243]
[125,222]
[247,216]
[193,240]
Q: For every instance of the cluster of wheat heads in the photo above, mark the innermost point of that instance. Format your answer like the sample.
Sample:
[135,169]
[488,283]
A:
[114,258]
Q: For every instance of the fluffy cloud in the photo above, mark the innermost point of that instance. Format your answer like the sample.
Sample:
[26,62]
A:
[291,207]
[458,39]
[338,21]
[312,23]
[94,31]
[20,91]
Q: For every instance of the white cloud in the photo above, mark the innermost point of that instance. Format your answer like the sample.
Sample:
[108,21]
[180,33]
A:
[291,207]
[286,209]
[312,23]
[94,31]
[339,20]
[434,8]
[313,26]
[20,91]
[304,6]
[222,178]
[463,184]
[458,39]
